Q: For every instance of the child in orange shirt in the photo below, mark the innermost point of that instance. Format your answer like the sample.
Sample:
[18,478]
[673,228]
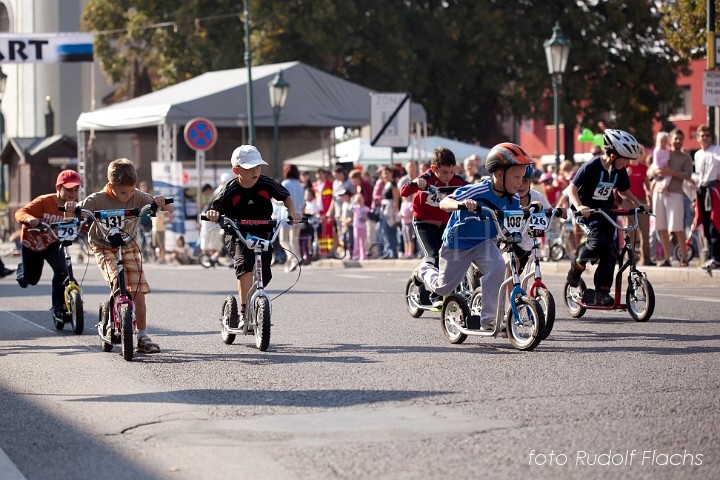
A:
[39,247]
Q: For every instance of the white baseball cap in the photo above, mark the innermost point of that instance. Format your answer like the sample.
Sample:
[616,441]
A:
[246,156]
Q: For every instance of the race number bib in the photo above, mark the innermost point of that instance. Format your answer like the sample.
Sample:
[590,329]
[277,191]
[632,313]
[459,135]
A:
[539,221]
[112,218]
[433,197]
[67,230]
[513,220]
[603,191]
[257,244]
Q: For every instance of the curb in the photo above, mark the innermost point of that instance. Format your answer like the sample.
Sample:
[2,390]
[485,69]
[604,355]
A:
[694,274]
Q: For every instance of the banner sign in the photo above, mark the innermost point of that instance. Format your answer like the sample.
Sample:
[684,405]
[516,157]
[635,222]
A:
[46,47]
[167,179]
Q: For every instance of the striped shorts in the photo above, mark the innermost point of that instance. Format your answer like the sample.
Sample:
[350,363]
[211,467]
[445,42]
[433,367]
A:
[132,261]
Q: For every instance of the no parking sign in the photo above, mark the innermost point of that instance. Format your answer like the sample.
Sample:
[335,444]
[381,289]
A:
[200,134]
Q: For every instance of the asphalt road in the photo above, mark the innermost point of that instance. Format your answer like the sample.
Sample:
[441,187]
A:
[352,387]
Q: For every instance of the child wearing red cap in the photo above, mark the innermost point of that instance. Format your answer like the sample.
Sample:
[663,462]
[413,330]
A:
[41,246]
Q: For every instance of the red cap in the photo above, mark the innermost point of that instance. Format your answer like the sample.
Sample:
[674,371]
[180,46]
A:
[68,179]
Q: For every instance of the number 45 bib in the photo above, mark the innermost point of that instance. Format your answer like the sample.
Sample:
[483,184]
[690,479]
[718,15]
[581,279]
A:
[603,190]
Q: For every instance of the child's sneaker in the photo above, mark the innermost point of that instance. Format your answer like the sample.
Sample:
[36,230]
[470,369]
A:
[576,270]
[603,299]
[145,345]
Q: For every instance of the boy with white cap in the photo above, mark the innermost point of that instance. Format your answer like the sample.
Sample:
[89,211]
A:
[248,197]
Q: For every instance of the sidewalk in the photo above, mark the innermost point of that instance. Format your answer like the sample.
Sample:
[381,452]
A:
[692,274]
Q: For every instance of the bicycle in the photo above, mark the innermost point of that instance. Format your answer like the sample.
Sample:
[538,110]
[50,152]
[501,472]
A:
[639,296]
[259,312]
[66,232]
[120,307]
[538,290]
[524,320]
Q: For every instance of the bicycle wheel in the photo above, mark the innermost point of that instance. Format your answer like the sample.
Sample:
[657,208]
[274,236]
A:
[76,312]
[469,283]
[691,252]
[412,299]
[454,312]
[640,298]
[572,296]
[126,327]
[104,318]
[262,323]
[229,317]
[547,304]
[526,332]
[339,252]
[557,252]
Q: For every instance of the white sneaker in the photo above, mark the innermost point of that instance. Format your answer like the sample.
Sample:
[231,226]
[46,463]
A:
[487,325]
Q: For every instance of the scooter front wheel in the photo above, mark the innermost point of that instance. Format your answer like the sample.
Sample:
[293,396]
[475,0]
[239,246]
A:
[547,304]
[126,327]
[455,311]
[526,331]
[640,298]
[262,323]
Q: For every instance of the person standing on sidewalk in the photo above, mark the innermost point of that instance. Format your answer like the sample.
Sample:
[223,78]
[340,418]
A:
[707,207]
[668,199]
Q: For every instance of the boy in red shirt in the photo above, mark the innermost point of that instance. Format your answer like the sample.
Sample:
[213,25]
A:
[38,246]
[429,220]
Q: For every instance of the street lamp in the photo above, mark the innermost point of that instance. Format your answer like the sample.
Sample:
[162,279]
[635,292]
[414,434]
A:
[557,50]
[278,95]
[3,84]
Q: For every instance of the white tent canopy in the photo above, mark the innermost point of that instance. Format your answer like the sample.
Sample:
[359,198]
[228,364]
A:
[316,99]
[360,152]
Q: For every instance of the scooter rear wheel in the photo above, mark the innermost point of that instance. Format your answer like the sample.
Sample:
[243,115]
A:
[571,294]
[412,299]
[454,308]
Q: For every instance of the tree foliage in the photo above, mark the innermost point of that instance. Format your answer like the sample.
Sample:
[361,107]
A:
[684,24]
[474,65]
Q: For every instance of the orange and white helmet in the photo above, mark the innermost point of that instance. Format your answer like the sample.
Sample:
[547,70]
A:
[506,155]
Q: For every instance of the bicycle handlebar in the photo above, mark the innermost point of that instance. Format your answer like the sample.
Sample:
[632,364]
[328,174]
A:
[429,187]
[627,212]
[226,222]
[128,212]
[496,214]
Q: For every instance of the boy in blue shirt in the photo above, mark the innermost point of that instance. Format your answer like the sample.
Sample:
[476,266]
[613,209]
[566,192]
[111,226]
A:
[592,187]
[473,241]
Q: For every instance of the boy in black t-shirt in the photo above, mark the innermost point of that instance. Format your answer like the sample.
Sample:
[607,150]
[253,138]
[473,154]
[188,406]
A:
[592,188]
[248,197]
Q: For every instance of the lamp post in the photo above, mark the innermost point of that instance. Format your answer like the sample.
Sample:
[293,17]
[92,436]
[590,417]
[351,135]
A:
[3,83]
[278,95]
[557,50]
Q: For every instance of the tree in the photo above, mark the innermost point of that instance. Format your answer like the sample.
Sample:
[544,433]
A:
[684,23]
[474,65]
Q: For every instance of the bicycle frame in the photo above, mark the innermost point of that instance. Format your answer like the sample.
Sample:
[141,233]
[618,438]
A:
[623,265]
[258,246]
[510,238]
[109,222]
[537,231]
[66,232]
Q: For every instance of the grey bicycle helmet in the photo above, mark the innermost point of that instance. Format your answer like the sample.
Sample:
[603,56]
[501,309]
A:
[623,143]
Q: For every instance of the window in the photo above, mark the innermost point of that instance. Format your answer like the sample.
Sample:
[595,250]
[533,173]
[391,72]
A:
[685,107]
[4,18]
